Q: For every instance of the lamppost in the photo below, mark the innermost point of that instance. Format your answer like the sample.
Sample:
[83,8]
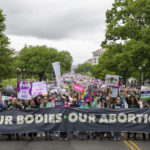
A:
[143,77]
[24,70]
[142,74]
[140,68]
[18,76]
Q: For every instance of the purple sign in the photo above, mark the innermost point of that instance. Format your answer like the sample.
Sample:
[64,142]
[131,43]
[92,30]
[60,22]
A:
[24,90]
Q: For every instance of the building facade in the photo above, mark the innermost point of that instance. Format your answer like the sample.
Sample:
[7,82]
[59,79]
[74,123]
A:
[97,54]
[89,61]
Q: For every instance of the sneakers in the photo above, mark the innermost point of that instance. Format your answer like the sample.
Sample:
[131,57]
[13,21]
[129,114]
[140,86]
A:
[38,135]
[88,137]
[66,139]
[50,138]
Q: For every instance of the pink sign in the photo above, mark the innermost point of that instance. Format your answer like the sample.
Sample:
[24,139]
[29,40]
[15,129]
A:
[79,87]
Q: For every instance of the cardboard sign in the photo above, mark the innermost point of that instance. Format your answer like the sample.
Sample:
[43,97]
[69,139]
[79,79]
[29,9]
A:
[24,90]
[78,87]
[114,92]
[39,88]
[4,98]
[56,67]
[112,80]
[145,95]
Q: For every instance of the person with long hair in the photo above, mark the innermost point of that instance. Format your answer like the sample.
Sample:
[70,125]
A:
[132,103]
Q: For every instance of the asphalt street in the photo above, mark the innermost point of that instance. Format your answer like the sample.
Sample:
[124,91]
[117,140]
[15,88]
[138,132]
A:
[73,144]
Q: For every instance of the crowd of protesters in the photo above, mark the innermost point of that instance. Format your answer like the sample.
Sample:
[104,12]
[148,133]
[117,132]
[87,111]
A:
[126,98]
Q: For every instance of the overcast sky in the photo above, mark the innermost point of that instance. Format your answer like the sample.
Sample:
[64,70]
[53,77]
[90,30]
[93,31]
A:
[77,26]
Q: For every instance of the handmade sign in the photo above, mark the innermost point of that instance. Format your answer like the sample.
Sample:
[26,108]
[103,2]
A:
[114,92]
[78,87]
[24,90]
[112,80]
[145,93]
[4,98]
[56,67]
[39,88]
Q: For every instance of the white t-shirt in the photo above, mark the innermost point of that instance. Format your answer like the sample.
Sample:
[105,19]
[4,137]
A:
[141,104]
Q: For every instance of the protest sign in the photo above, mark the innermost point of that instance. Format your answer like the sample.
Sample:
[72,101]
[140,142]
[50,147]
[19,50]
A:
[39,88]
[145,93]
[112,80]
[24,90]
[114,92]
[145,88]
[56,67]
[4,98]
[70,120]
[78,87]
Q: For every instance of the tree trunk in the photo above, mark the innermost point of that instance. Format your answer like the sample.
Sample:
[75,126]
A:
[124,79]
[41,76]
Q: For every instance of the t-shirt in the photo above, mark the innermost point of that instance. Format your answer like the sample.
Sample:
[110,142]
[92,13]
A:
[114,92]
[14,106]
[94,104]
[48,104]
[118,106]
[59,104]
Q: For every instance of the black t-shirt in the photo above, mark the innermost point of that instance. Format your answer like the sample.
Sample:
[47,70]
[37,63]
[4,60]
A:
[14,106]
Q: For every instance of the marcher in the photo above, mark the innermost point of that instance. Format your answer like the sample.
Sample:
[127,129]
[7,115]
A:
[132,103]
[118,105]
[14,105]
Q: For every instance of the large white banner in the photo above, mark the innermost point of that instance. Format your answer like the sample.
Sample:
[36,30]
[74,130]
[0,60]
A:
[39,88]
[24,90]
[56,67]
[112,80]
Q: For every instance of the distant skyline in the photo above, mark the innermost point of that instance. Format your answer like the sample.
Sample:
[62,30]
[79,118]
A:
[73,25]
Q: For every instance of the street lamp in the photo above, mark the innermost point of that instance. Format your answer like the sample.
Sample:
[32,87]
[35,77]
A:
[24,70]
[142,74]
[18,76]
[140,68]
[143,79]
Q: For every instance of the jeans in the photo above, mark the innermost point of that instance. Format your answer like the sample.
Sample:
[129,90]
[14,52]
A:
[117,135]
[63,135]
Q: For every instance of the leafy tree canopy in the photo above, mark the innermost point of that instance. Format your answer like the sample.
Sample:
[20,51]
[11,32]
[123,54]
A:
[6,54]
[127,39]
[84,68]
[37,60]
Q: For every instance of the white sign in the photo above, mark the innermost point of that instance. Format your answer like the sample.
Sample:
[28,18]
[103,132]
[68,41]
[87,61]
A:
[112,80]
[114,92]
[24,90]
[39,88]
[6,98]
[56,67]
[145,88]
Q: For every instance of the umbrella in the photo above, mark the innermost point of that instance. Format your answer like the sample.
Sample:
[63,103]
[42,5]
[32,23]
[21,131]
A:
[9,91]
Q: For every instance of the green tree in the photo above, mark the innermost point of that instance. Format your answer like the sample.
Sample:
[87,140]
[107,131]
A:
[127,39]
[37,60]
[84,68]
[6,59]
[65,59]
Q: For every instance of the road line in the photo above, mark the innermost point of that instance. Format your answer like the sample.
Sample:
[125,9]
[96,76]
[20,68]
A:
[136,146]
[127,143]
[131,142]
